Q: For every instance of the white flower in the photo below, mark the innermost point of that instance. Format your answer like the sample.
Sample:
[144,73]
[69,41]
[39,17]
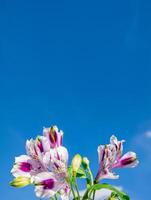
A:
[45,165]
[110,157]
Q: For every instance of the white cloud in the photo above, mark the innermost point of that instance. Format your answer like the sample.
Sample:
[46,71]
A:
[148,134]
[143,148]
[143,143]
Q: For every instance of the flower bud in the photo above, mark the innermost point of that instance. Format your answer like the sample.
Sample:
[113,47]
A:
[76,162]
[85,162]
[20,182]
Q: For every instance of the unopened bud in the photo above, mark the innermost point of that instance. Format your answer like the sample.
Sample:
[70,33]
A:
[85,162]
[76,162]
[20,182]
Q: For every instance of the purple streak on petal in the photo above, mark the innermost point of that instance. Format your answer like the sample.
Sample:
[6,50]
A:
[40,146]
[103,154]
[58,156]
[56,165]
[35,151]
[48,184]
[127,161]
[25,167]
[53,137]
[61,138]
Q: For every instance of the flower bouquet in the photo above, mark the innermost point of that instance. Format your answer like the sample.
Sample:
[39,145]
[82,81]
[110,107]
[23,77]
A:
[46,167]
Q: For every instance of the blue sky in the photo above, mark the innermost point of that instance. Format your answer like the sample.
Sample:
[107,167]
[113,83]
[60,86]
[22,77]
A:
[83,65]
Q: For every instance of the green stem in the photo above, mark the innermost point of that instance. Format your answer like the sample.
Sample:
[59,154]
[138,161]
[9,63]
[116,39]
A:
[91,176]
[72,190]
[77,189]
[94,194]
[71,186]
[93,191]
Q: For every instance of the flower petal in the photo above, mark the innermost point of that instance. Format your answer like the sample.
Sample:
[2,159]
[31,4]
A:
[56,160]
[127,160]
[65,192]
[54,136]
[118,146]
[31,149]
[26,166]
[42,143]
[22,166]
[46,184]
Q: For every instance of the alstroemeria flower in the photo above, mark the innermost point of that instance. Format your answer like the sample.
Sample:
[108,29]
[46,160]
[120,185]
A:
[54,136]
[45,164]
[107,156]
[110,157]
[127,160]
[26,167]
[56,160]
[37,148]
[47,185]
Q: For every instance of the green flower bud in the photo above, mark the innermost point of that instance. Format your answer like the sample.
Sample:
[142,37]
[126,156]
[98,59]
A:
[85,162]
[20,182]
[76,162]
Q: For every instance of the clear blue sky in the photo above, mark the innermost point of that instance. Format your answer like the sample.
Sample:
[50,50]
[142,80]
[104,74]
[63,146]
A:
[83,65]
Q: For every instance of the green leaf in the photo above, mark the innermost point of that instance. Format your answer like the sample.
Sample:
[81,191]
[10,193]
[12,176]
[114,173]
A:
[81,173]
[114,196]
[121,194]
[99,186]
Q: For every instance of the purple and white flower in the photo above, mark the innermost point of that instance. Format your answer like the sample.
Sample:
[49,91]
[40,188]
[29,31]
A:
[47,185]
[45,164]
[26,167]
[110,157]
[56,160]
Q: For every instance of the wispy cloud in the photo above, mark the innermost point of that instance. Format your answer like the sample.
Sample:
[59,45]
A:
[148,134]
[143,142]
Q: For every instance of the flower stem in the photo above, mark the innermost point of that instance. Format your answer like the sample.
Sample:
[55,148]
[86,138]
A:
[76,187]
[94,194]
[93,191]
[91,176]
[72,190]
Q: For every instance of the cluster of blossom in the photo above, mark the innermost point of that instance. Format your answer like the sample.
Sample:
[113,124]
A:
[46,165]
